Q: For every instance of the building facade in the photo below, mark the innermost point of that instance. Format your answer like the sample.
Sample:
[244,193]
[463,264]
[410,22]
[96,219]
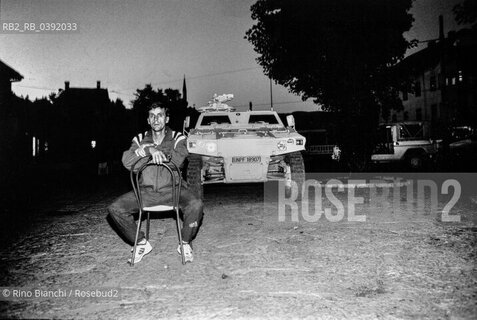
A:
[443,83]
[12,116]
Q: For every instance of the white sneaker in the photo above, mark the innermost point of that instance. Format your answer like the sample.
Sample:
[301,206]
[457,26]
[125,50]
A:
[188,255]
[142,248]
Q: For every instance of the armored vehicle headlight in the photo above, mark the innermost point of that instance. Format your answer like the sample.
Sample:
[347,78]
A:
[211,147]
[299,142]
[192,144]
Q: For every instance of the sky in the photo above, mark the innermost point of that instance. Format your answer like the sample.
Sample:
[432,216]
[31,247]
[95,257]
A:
[128,44]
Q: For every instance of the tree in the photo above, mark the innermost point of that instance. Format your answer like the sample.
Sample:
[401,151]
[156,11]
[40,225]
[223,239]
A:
[171,98]
[340,53]
[465,12]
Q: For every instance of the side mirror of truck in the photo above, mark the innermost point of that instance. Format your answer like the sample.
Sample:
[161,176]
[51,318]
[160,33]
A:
[291,121]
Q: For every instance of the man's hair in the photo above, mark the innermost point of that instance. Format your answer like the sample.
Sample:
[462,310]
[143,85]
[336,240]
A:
[158,104]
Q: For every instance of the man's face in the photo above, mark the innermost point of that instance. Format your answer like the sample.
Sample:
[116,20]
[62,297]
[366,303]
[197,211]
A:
[157,119]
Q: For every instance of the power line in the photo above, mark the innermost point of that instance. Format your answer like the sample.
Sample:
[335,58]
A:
[125,94]
[238,106]
[197,77]
[120,92]
[268,103]
[38,88]
[225,72]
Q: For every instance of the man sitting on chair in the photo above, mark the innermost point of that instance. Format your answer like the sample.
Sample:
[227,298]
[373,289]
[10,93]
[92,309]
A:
[161,143]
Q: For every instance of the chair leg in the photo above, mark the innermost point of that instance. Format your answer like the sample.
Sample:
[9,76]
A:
[176,198]
[179,229]
[148,224]
[136,238]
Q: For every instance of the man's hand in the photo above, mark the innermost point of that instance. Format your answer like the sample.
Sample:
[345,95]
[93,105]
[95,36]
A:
[141,151]
[158,157]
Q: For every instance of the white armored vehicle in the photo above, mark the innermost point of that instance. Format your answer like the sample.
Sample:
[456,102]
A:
[229,146]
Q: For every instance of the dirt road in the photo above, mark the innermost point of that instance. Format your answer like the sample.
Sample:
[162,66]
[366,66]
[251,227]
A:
[398,264]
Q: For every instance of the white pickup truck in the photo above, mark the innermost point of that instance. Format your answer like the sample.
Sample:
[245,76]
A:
[408,142]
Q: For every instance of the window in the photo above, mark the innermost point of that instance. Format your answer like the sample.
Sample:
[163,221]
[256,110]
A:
[404,95]
[406,116]
[411,131]
[418,114]
[263,119]
[33,147]
[417,88]
[433,83]
[434,112]
[209,120]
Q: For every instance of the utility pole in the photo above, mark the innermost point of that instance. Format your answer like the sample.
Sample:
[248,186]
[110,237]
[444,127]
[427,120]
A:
[271,95]
[444,105]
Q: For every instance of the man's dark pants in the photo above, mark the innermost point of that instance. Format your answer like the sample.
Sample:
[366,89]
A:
[122,211]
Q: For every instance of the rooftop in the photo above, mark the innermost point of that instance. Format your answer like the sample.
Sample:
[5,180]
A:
[9,72]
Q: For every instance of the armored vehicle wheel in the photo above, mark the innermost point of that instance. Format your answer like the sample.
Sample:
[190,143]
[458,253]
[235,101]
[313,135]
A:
[297,170]
[194,174]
